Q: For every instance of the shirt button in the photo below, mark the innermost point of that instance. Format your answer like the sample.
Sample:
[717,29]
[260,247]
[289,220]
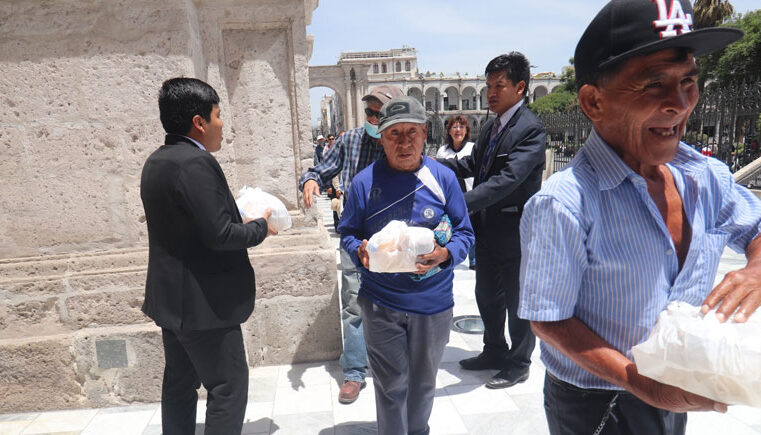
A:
[669,251]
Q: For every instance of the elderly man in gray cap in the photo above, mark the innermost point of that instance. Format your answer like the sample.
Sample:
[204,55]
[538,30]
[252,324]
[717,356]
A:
[637,220]
[406,315]
[350,153]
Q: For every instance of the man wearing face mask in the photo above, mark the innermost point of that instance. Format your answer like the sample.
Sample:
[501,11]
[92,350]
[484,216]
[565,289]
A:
[351,152]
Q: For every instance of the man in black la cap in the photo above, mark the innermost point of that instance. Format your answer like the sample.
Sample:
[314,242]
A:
[637,220]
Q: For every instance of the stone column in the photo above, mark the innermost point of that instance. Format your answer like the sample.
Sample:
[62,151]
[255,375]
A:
[79,82]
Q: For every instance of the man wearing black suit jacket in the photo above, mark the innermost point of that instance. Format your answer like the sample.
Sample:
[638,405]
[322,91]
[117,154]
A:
[506,163]
[200,285]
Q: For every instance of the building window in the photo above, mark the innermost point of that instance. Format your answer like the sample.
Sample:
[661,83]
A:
[398,67]
[375,68]
[407,65]
[383,68]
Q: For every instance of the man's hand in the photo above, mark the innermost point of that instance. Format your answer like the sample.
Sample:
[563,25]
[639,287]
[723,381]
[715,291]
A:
[266,216]
[339,193]
[310,188]
[432,259]
[329,191]
[364,257]
[267,213]
[740,288]
[674,399]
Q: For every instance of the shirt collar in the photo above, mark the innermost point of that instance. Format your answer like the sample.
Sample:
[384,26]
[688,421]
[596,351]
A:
[505,118]
[612,170]
[198,144]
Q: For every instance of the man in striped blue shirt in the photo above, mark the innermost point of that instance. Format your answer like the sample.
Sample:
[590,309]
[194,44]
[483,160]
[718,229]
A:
[637,220]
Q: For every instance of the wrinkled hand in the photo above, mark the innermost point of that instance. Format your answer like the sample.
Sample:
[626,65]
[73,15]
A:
[675,399]
[364,257]
[432,259]
[267,213]
[311,188]
[740,291]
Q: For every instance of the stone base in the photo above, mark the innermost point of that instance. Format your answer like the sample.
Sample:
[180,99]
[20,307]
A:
[74,335]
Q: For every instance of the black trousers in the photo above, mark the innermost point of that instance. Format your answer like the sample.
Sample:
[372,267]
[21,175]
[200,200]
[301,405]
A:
[497,296]
[217,359]
[572,410]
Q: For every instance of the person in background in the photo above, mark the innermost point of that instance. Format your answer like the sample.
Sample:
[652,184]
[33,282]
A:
[318,149]
[637,220]
[406,317]
[507,163]
[328,145]
[458,146]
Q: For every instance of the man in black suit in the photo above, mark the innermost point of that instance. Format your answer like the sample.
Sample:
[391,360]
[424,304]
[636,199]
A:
[200,285]
[506,163]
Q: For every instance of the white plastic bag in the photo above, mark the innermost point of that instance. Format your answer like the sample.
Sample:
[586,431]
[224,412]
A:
[395,248]
[253,202]
[721,361]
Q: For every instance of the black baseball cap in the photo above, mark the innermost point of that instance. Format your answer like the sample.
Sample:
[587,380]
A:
[627,28]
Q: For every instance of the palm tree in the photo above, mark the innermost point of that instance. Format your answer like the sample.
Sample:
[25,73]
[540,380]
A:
[709,13]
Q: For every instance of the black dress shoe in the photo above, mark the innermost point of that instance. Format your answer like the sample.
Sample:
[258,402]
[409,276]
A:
[483,362]
[507,378]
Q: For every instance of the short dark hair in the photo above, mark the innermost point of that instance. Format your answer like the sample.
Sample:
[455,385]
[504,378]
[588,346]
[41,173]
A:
[182,98]
[461,120]
[515,66]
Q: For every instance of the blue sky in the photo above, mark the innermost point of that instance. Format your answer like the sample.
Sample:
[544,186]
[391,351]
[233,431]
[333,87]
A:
[452,36]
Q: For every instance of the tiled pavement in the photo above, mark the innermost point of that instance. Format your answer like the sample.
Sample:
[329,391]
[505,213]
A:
[301,398]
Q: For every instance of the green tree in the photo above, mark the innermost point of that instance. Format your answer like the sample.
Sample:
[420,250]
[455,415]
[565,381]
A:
[710,13]
[740,61]
[557,101]
[562,98]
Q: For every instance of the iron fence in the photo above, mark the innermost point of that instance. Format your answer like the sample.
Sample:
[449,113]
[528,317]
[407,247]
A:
[725,124]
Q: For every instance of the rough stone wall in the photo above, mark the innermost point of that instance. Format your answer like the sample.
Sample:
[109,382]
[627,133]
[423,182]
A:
[78,117]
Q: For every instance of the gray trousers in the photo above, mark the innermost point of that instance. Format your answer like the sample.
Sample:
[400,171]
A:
[404,351]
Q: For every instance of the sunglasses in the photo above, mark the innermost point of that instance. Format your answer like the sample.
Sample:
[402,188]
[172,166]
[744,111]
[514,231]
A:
[370,113]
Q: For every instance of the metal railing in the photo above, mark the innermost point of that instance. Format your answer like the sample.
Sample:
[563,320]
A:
[726,124]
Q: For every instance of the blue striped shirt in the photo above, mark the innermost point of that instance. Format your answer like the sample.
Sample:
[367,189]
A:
[350,153]
[594,246]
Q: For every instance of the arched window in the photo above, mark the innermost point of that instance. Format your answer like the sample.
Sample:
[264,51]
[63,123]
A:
[407,65]
[383,68]
[398,67]
[375,68]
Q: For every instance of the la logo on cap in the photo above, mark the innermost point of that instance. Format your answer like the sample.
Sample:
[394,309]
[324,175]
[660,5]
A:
[672,17]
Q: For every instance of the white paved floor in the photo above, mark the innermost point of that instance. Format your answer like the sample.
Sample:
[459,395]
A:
[301,398]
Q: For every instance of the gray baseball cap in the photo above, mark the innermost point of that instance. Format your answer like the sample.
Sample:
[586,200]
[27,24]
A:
[401,109]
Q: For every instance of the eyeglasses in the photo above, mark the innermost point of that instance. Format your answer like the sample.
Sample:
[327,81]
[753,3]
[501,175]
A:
[458,127]
[370,113]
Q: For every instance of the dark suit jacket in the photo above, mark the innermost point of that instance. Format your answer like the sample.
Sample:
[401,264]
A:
[199,275]
[512,175]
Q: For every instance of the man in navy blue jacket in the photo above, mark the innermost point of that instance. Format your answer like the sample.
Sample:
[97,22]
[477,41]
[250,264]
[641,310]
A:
[506,163]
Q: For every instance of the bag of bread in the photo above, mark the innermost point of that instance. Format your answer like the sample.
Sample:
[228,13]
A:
[253,202]
[698,354]
[395,248]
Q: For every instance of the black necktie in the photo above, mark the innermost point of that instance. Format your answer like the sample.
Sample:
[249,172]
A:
[490,147]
